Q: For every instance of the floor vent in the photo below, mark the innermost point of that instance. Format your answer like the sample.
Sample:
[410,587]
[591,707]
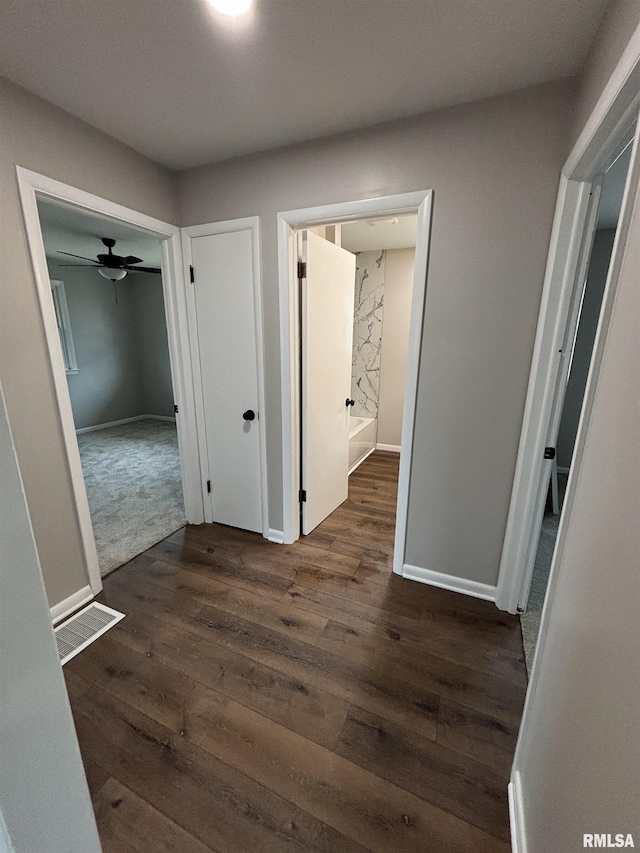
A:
[86,626]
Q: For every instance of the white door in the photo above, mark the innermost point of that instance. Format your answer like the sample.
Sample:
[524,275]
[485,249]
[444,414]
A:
[327,343]
[227,343]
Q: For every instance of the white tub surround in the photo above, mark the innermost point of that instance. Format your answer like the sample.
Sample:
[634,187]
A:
[367,332]
[362,440]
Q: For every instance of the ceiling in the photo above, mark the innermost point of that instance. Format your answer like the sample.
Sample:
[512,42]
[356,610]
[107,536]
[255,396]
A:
[186,86]
[398,232]
[67,230]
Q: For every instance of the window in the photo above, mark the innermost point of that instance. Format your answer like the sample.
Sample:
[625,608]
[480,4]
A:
[64,326]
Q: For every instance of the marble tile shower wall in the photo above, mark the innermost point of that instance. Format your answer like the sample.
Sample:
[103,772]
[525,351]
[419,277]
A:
[367,332]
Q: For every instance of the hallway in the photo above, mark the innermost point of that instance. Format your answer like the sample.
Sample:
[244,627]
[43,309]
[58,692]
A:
[260,697]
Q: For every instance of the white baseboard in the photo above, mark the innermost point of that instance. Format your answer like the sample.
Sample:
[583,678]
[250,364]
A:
[125,421]
[466,587]
[276,536]
[516,815]
[392,448]
[360,461]
[72,603]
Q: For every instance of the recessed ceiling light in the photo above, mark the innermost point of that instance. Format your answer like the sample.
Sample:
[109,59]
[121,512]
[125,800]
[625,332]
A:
[234,8]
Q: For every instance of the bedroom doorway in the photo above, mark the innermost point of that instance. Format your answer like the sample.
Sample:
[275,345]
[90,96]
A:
[157,346]
[113,334]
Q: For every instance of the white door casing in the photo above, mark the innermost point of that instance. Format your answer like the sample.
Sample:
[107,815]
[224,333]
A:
[568,259]
[327,305]
[32,187]
[226,323]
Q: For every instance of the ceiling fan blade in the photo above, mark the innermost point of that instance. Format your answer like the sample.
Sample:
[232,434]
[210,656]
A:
[71,255]
[131,259]
[95,266]
[156,270]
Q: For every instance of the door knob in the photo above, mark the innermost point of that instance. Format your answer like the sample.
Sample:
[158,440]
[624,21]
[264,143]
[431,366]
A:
[249,415]
[350,402]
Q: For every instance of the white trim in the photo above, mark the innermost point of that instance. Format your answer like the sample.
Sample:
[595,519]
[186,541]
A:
[65,608]
[230,226]
[6,845]
[516,815]
[390,448]
[466,587]
[361,460]
[118,616]
[66,334]
[275,536]
[607,128]
[32,186]
[288,223]
[108,424]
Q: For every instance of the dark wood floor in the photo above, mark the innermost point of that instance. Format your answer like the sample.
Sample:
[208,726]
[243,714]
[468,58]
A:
[259,697]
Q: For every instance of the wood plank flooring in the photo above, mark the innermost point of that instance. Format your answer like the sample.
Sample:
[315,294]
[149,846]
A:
[260,697]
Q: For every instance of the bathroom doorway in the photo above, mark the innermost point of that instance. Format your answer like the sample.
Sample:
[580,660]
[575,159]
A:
[369,389]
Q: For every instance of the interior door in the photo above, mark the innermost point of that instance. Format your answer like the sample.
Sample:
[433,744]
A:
[327,297]
[227,343]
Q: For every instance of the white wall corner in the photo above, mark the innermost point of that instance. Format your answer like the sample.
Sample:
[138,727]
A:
[516,815]
[276,536]
[455,584]
[69,605]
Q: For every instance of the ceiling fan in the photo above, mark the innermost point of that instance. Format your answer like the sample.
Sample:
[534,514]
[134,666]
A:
[110,266]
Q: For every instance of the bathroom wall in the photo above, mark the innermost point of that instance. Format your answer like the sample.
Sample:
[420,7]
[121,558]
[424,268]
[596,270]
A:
[367,332]
[398,290]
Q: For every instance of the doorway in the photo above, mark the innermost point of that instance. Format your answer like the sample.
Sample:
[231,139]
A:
[590,298]
[113,334]
[296,388]
[355,309]
[35,188]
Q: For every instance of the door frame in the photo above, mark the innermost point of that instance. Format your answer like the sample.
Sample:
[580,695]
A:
[210,229]
[32,187]
[289,222]
[602,138]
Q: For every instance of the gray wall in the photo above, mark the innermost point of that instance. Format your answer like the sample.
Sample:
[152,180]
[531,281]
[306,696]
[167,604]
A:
[494,166]
[44,800]
[619,22]
[596,280]
[398,290]
[578,749]
[156,388]
[121,347]
[41,137]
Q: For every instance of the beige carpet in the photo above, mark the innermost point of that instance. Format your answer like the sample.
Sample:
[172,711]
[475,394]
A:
[134,486]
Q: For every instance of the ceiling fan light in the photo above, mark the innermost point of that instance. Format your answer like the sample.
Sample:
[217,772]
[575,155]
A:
[112,275]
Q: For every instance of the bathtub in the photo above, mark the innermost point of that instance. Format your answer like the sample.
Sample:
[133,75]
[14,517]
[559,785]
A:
[362,440]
